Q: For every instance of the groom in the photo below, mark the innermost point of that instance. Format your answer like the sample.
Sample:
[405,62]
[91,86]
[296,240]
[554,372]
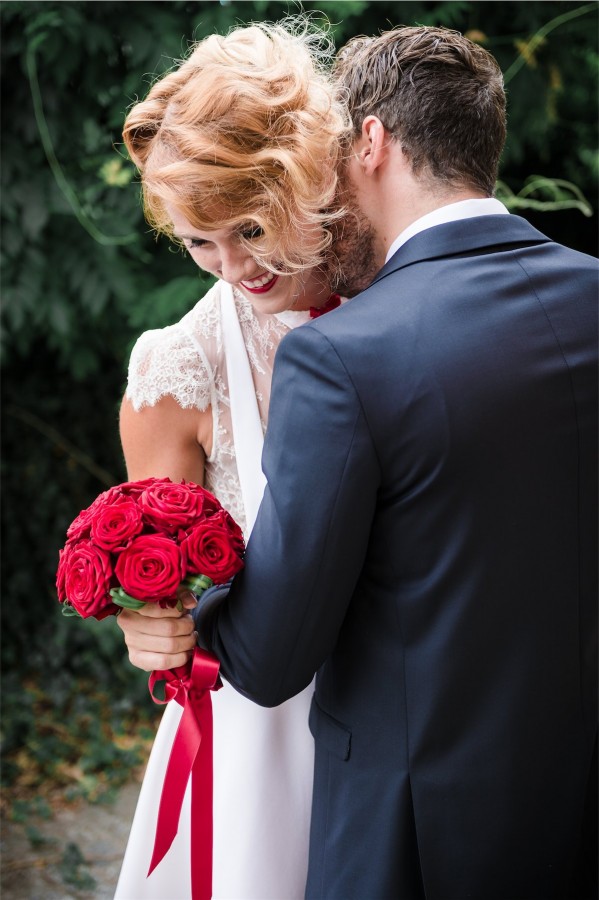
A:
[426,542]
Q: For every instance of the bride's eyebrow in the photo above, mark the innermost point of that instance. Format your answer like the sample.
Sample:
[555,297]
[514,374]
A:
[187,237]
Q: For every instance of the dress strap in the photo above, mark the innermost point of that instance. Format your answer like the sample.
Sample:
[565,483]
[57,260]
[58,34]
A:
[245,415]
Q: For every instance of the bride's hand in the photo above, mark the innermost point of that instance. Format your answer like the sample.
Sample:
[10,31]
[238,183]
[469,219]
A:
[159,638]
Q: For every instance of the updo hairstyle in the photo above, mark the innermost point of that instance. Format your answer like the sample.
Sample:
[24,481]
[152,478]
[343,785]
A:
[245,132]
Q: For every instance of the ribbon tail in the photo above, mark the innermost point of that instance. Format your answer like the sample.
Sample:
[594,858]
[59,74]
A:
[201,810]
[182,757]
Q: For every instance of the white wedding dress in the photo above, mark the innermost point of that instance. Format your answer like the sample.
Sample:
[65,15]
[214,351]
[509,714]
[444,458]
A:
[221,355]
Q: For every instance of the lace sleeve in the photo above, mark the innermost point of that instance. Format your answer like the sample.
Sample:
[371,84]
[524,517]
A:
[166,362]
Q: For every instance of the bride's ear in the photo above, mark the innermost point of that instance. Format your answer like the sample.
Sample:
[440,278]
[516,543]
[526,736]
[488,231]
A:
[371,147]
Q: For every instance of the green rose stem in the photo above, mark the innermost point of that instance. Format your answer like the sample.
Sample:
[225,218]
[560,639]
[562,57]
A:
[197,584]
[69,610]
[120,598]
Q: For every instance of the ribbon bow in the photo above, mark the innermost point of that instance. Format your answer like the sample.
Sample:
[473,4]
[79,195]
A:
[191,753]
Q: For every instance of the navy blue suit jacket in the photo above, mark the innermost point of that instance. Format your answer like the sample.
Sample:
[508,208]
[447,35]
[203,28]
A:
[427,545]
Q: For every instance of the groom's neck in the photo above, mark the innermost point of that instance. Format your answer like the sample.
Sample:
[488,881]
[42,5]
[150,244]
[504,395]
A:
[404,197]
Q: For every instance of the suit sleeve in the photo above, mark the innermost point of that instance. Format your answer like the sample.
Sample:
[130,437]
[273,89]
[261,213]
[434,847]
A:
[284,612]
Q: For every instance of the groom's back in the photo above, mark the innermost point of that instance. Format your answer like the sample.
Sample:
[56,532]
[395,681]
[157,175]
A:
[474,617]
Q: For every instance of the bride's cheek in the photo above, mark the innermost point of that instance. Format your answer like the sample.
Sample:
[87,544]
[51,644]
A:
[204,261]
[204,268]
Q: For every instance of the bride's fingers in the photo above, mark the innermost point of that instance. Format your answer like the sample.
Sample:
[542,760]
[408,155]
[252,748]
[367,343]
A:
[132,623]
[156,611]
[156,644]
[150,661]
[186,598]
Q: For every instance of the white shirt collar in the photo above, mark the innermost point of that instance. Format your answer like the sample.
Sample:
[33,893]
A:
[463,209]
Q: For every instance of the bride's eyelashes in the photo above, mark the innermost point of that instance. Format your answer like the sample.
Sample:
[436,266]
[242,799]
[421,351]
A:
[251,232]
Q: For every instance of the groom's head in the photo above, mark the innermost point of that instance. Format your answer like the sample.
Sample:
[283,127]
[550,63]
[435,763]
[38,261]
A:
[437,94]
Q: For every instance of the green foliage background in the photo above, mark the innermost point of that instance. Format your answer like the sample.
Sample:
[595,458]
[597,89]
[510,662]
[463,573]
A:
[82,277]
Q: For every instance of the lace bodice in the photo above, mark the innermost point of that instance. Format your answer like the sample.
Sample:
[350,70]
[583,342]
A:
[187,361]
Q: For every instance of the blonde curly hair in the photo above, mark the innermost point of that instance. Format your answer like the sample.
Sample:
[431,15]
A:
[246,132]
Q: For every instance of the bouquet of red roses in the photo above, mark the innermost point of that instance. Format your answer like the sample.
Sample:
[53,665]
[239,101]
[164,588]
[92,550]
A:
[140,541]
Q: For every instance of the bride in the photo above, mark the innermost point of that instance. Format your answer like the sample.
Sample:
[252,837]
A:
[237,149]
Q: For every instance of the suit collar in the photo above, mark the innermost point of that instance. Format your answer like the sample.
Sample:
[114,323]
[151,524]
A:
[463,236]
[451,212]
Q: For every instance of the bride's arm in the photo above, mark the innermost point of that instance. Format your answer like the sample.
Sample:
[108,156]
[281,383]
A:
[165,440]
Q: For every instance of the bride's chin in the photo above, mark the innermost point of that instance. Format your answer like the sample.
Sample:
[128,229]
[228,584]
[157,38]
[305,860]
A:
[267,305]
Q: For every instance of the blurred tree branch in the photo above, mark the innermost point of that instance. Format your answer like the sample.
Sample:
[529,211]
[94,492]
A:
[77,455]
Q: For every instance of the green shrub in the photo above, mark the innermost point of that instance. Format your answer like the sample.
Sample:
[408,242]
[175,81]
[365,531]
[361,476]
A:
[82,277]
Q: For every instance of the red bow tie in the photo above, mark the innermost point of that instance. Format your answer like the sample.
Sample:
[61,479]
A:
[332,303]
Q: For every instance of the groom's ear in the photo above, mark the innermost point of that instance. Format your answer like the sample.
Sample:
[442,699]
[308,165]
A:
[371,148]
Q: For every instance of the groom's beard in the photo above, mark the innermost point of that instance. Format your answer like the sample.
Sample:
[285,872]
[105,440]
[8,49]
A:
[352,260]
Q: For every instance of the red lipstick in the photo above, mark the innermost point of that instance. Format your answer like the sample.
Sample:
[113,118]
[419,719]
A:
[263,289]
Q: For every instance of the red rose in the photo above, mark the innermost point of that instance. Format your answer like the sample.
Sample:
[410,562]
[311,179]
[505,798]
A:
[84,578]
[168,507]
[235,532]
[114,524]
[81,526]
[211,504]
[150,568]
[134,488]
[210,549]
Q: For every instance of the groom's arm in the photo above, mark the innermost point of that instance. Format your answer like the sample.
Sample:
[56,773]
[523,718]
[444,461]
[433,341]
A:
[283,614]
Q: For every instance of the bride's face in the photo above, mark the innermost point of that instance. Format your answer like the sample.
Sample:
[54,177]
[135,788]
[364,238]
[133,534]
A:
[221,253]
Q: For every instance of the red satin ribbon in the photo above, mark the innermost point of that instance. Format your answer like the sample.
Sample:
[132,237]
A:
[191,754]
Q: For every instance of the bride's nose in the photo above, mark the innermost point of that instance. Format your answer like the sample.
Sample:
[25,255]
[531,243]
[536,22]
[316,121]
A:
[236,264]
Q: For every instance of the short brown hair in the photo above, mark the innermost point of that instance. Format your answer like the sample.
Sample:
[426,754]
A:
[439,94]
